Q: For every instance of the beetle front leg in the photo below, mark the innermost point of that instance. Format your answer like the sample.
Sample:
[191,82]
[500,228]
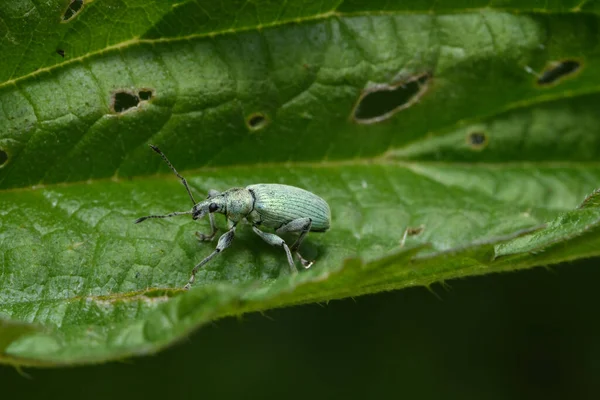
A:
[303,226]
[224,242]
[275,240]
[213,228]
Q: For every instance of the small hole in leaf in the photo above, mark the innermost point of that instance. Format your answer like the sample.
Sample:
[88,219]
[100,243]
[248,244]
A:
[74,8]
[383,101]
[145,94]
[123,101]
[3,158]
[257,121]
[557,71]
[477,140]
[61,52]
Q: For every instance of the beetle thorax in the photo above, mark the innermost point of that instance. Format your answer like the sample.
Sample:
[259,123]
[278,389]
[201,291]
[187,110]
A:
[239,203]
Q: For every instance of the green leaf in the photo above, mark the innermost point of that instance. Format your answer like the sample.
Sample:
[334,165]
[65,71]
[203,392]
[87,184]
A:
[449,140]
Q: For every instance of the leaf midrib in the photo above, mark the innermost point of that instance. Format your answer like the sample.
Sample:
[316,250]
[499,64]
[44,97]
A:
[387,159]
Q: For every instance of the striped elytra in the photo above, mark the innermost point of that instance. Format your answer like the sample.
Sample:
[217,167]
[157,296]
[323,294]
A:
[278,204]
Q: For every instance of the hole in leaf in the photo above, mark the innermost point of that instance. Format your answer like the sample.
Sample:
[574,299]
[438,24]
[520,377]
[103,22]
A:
[558,70]
[145,94]
[477,140]
[123,101]
[257,121]
[383,101]
[61,52]
[3,158]
[74,8]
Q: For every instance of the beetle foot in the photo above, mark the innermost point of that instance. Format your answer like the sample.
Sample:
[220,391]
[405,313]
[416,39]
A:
[189,284]
[205,238]
[305,263]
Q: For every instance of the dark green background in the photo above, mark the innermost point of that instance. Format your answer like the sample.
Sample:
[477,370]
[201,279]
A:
[527,335]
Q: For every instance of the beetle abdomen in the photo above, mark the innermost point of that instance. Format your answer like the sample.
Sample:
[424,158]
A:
[279,204]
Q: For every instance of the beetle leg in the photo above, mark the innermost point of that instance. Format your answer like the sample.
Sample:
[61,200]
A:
[305,263]
[224,242]
[212,193]
[275,240]
[213,228]
[303,226]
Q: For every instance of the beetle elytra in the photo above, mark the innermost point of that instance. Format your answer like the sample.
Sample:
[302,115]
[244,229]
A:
[279,207]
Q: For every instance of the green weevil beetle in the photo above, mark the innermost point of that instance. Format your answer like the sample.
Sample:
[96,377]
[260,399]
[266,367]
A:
[282,208]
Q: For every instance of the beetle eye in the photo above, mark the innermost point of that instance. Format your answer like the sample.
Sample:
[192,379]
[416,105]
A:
[213,207]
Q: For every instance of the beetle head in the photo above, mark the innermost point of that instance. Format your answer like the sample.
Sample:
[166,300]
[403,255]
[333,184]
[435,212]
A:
[212,205]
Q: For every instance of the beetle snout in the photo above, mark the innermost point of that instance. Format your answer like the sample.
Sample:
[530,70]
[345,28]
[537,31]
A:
[197,214]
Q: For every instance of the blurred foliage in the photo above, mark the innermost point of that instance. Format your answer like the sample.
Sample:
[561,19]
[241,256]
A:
[529,335]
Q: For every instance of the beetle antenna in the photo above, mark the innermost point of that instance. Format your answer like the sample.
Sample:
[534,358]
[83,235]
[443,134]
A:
[156,149]
[173,214]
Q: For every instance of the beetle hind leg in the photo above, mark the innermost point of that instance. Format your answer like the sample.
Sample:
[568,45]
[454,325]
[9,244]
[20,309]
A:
[305,263]
[303,226]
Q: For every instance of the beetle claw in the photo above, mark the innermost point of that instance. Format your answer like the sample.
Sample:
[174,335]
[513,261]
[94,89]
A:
[305,263]
[205,238]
